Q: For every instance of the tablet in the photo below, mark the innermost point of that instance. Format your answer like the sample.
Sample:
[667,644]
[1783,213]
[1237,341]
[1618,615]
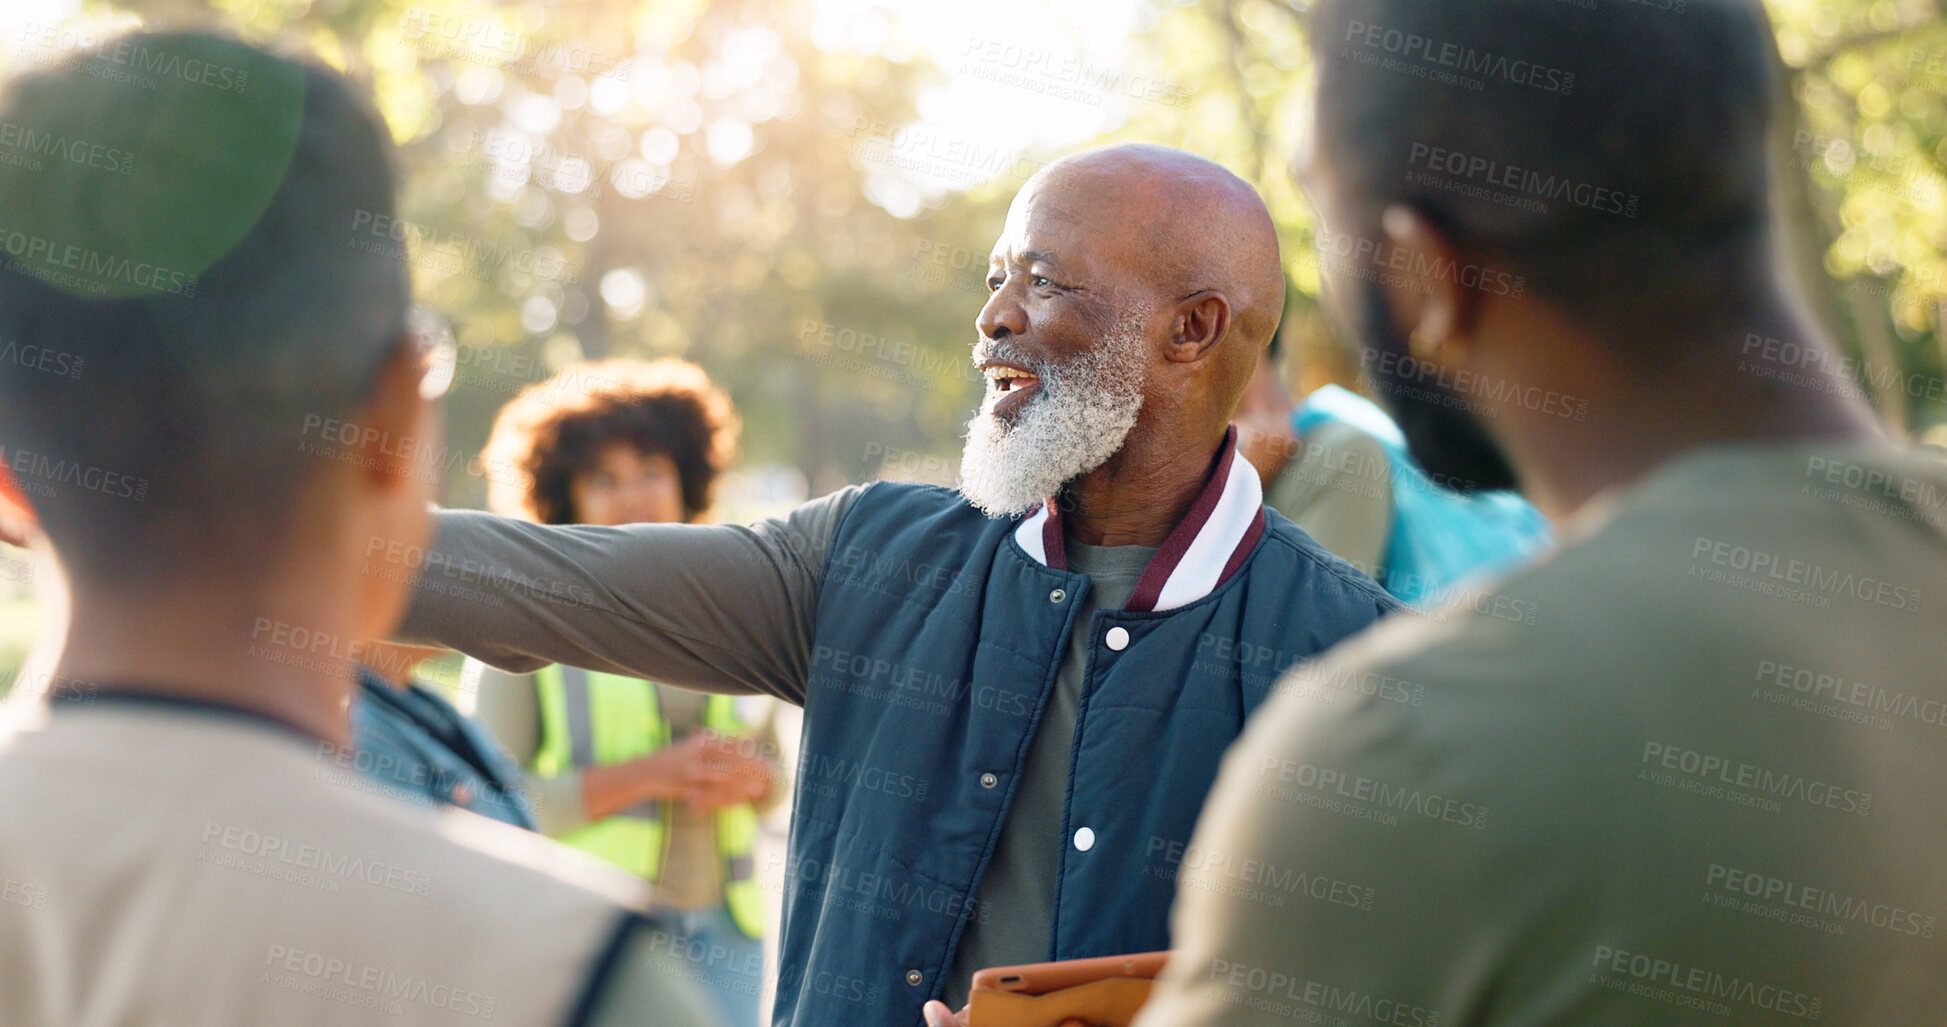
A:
[1042,978]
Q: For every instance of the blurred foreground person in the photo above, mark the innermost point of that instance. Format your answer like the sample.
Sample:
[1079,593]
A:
[664,782]
[1340,469]
[194,854]
[1015,694]
[1702,784]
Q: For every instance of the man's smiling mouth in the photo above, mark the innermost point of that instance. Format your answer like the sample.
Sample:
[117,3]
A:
[1009,388]
[1007,377]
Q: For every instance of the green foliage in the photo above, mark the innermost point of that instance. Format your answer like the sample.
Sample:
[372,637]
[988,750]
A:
[697,178]
[614,178]
[1867,155]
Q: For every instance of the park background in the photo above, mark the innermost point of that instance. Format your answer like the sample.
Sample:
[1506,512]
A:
[799,195]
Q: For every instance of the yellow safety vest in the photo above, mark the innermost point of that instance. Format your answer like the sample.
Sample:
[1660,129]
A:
[591,719]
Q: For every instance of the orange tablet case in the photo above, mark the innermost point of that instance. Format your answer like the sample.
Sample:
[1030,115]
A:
[1105,992]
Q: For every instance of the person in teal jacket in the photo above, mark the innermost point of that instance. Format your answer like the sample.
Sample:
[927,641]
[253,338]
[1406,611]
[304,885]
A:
[1338,466]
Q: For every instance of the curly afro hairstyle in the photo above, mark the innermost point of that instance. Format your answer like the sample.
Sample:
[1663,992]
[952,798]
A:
[553,431]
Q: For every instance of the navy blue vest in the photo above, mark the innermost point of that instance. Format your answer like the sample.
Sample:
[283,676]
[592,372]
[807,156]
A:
[938,640]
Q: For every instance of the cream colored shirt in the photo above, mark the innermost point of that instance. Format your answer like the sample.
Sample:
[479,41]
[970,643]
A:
[171,864]
[1689,769]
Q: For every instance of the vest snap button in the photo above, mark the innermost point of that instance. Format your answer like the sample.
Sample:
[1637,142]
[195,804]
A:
[989,780]
[1118,638]
[1084,839]
[1057,596]
[913,977]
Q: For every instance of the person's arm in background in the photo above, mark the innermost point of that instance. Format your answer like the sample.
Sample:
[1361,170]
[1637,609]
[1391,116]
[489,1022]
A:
[689,770]
[719,608]
[1339,488]
[755,763]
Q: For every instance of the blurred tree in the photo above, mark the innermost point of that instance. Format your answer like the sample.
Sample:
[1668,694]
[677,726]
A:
[716,179]
[618,178]
[1864,162]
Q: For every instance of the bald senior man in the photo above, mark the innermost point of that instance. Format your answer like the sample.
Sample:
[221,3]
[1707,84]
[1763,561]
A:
[1016,694]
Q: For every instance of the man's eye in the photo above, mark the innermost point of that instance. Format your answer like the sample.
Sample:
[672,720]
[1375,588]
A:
[994,284]
[1040,282]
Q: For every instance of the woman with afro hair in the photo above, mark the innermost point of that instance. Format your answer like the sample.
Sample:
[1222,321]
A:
[663,782]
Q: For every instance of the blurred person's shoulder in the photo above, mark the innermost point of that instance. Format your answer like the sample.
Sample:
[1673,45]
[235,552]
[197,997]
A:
[259,869]
[1667,600]
[1316,572]
[1632,563]
[1729,674]
[1340,456]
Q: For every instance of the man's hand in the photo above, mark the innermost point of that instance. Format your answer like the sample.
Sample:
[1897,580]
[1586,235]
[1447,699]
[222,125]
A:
[938,1015]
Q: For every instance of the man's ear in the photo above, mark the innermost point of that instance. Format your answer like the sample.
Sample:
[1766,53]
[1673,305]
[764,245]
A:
[391,424]
[1198,324]
[17,521]
[1430,296]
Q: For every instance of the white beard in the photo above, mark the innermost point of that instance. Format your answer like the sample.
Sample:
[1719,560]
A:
[1073,425]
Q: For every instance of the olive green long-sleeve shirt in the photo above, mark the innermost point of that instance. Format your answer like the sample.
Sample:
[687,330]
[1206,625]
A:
[1686,770]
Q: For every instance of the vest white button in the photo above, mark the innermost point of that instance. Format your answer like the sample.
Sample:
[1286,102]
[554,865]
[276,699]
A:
[913,977]
[1057,596]
[989,780]
[1118,638]
[1084,839]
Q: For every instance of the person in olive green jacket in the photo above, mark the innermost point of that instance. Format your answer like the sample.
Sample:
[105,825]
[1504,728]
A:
[664,782]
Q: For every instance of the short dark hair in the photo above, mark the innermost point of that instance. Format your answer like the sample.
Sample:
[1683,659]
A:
[554,430]
[186,255]
[1604,152]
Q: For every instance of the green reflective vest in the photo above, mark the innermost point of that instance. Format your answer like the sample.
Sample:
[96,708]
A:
[590,719]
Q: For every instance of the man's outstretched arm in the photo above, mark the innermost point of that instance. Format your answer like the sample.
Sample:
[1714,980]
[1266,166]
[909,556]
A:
[719,608]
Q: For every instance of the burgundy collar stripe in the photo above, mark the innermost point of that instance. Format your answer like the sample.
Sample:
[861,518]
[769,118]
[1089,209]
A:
[1205,549]
[1051,536]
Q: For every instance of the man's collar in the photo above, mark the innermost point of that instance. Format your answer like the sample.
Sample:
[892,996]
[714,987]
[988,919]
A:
[1203,551]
